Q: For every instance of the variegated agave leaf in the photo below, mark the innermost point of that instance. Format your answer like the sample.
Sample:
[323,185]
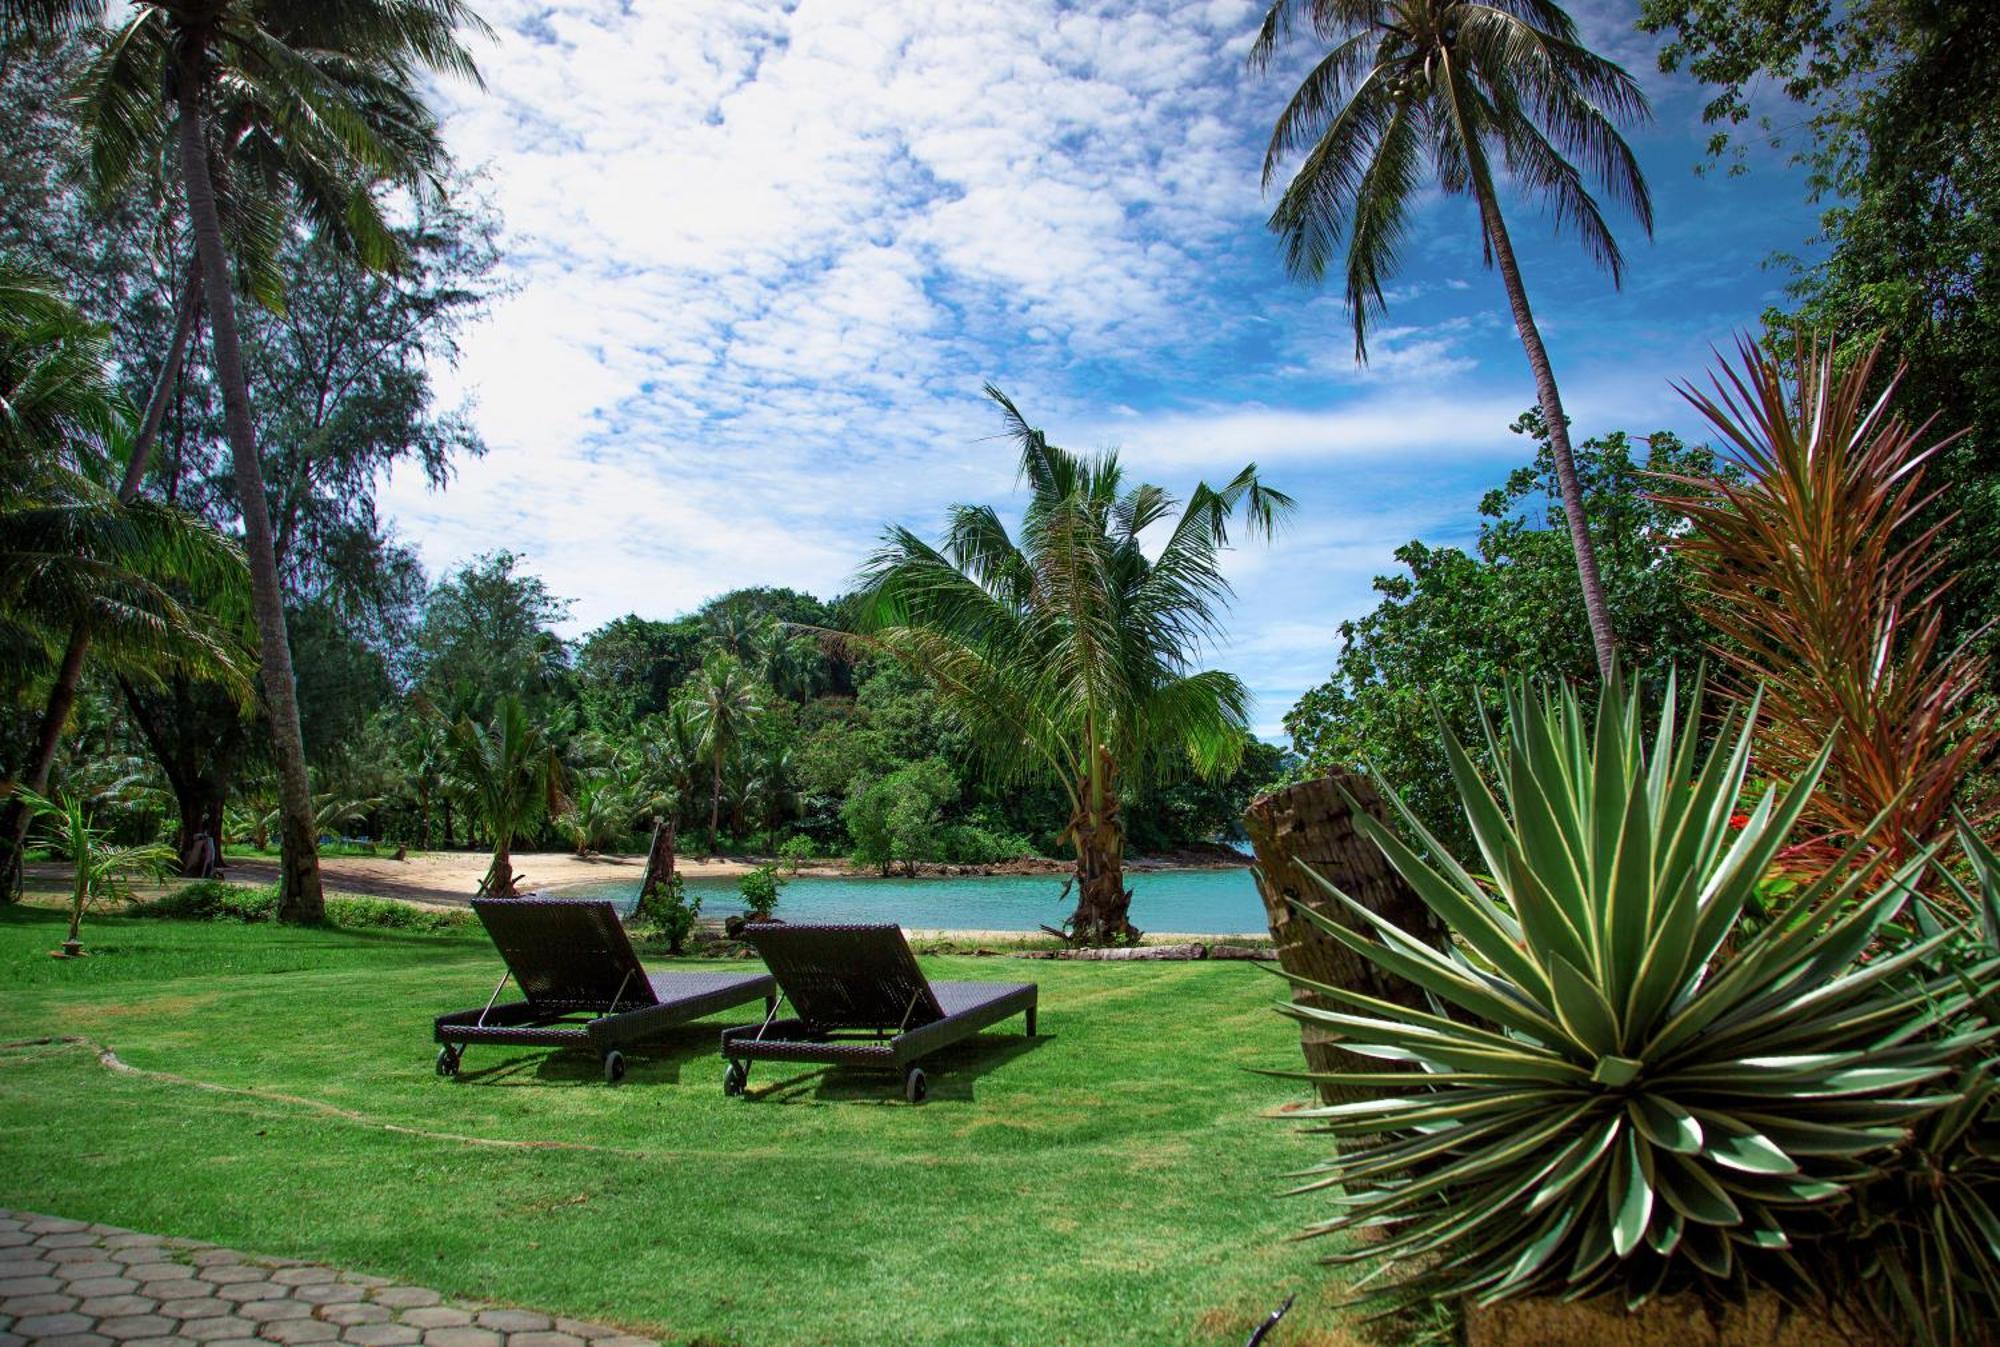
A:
[1605,1100]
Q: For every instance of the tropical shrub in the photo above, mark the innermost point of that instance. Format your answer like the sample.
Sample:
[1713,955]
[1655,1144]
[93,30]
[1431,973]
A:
[671,910]
[213,900]
[796,851]
[895,818]
[760,891]
[1923,1245]
[1830,594]
[1603,1102]
[98,866]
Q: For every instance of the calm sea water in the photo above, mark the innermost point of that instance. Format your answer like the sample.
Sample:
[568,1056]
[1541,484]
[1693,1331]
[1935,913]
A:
[1198,902]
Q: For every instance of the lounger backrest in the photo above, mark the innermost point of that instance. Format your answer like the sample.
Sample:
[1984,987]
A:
[847,977]
[567,953]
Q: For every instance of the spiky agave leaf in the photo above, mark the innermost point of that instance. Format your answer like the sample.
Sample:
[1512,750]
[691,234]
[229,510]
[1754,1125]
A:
[1605,1101]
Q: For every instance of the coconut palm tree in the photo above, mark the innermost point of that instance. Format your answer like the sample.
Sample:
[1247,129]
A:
[278,176]
[1454,91]
[199,54]
[722,700]
[1069,652]
[72,554]
[510,778]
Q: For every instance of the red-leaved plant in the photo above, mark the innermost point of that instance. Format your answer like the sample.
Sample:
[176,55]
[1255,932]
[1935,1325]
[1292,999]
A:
[1824,569]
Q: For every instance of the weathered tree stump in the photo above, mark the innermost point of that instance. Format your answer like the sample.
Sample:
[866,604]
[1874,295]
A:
[659,859]
[1310,826]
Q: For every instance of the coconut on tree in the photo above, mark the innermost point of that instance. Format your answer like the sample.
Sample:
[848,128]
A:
[1069,652]
[1455,93]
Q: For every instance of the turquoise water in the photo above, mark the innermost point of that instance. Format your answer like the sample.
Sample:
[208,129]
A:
[1197,902]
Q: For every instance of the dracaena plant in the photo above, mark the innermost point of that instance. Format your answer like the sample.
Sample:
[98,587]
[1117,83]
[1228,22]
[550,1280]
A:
[1823,568]
[1621,1086]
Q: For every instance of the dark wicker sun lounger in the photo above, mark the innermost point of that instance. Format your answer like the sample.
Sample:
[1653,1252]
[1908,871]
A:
[584,987]
[859,999]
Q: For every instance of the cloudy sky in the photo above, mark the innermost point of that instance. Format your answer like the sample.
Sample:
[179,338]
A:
[763,256]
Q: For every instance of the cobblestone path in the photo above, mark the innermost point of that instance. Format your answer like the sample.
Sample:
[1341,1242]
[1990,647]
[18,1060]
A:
[71,1284]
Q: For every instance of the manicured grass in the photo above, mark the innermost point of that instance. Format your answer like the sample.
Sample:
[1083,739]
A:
[1109,1182]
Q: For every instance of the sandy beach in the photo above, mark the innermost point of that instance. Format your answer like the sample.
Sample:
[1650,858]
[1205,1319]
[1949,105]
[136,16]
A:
[451,878]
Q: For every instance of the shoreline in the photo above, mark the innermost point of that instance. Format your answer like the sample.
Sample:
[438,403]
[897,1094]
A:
[451,878]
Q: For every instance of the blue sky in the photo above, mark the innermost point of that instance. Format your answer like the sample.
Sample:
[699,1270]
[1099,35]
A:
[763,256]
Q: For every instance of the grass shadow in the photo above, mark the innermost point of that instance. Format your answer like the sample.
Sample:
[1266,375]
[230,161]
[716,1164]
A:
[671,1060]
[953,1073]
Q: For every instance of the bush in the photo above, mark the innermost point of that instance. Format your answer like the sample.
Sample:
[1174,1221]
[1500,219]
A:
[796,851]
[213,900]
[219,900]
[386,914]
[895,818]
[1614,1105]
[760,891]
[671,910]
[970,844]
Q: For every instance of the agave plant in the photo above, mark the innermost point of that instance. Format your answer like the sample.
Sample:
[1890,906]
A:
[1924,1237]
[1602,1099]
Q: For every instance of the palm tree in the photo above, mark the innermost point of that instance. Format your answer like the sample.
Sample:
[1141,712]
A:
[1447,84]
[202,53]
[721,703]
[1069,653]
[279,175]
[96,865]
[510,778]
[72,554]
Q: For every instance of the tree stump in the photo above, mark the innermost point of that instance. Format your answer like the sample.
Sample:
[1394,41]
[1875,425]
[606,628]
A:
[1311,826]
[659,859]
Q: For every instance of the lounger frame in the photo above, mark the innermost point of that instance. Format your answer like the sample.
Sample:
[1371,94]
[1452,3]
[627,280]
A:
[583,986]
[861,1000]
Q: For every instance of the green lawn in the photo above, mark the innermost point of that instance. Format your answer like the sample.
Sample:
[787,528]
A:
[1109,1182]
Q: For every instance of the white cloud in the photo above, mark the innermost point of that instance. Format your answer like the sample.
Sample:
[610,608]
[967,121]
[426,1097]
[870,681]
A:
[766,251]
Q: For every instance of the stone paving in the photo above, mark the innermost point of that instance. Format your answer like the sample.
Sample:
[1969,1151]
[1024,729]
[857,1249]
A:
[71,1284]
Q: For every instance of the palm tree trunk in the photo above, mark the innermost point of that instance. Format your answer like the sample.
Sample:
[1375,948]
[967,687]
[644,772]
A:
[299,895]
[62,693]
[1595,606]
[1103,903]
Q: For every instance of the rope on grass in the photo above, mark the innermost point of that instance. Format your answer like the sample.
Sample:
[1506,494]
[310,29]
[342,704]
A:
[112,1061]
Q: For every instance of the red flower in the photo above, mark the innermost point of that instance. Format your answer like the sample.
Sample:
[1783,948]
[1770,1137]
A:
[1739,820]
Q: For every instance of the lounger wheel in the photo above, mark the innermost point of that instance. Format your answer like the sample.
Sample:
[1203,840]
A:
[614,1067]
[916,1088]
[735,1079]
[447,1061]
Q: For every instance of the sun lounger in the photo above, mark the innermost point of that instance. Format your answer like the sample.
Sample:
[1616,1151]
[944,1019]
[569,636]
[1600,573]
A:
[583,986]
[859,999]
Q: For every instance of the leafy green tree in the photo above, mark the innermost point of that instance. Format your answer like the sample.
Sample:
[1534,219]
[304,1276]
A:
[629,668]
[73,555]
[1449,632]
[202,53]
[1892,113]
[899,817]
[722,701]
[511,779]
[1463,90]
[487,634]
[1069,652]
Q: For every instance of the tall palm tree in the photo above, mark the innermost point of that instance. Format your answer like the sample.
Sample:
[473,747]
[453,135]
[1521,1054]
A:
[510,778]
[1069,652]
[202,53]
[1462,88]
[721,702]
[72,553]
